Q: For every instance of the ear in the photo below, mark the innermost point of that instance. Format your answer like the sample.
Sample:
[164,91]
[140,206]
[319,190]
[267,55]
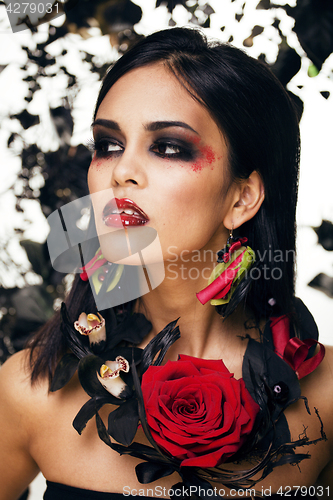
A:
[247,199]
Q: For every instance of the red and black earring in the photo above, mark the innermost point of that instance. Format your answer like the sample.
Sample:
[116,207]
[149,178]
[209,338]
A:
[234,262]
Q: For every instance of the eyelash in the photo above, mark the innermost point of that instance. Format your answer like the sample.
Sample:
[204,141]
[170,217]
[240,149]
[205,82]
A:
[184,153]
[98,145]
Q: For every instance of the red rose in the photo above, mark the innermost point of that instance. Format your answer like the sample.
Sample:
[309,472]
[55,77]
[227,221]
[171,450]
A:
[197,411]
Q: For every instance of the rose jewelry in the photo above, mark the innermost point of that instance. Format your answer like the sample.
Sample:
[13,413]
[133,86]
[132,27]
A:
[196,416]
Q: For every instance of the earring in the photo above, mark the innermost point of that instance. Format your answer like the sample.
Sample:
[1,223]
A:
[234,260]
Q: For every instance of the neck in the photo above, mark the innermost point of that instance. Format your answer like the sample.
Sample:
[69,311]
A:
[204,333]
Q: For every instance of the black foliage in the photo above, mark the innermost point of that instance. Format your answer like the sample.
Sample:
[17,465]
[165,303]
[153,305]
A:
[24,311]
[203,487]
[64,371]
[65,174]
[87,412]
[323,283]
[123,422]
[133,329]
[287,64]
[112,16]
[63,122]
[314,28]
[142,413]
[26,119]
[325,235]
[170,4]
[80,11]
[29,156]
[240,293]
[38,258]
[147,472]
[11,139]
[122,13]
[160,343]
[102,432]
[40,56]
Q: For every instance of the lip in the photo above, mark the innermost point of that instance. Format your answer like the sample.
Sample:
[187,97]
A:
[114,214]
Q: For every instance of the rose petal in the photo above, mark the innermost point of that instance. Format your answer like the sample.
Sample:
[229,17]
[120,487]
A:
[197,411]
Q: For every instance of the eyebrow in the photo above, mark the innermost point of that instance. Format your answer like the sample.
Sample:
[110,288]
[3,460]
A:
[150,127]
[106,123]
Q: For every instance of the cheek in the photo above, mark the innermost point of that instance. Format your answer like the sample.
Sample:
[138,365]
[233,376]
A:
[98,174]
[97,163]
[207,159]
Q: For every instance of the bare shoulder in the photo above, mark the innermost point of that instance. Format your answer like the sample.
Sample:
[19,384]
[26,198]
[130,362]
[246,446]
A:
[18,402]
[17,364]
[15,380]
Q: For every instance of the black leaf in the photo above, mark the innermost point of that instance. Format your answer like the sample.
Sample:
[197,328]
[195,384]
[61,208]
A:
[64,371]
[12,138]
[122,14]
[325,235]
[35,254]
[133,329]
[27,120]
[142,413]
[123,422]
[171,4]
[63,122]
[204,488]
[147,472]
[88,410]
[323,283]
[161,342]
[140,451]
[102,432]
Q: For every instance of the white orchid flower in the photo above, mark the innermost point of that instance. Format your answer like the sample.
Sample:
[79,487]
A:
[91,325]
[109,376]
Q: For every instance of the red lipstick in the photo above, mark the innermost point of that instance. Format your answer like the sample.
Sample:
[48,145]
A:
[123,212]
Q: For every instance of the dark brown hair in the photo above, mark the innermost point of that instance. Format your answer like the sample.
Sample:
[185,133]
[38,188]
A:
[259,121]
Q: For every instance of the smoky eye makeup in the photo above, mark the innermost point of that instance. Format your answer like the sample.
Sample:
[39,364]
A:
[174,148]
[104,146]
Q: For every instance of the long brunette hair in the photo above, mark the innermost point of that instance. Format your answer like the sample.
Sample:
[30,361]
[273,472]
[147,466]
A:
[259,121]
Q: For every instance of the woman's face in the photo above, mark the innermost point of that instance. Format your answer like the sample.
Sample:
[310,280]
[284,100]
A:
[164,159]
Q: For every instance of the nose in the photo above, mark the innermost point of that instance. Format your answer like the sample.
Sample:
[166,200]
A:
[128,171]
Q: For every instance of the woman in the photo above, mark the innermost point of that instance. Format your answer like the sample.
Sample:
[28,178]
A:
[200,143]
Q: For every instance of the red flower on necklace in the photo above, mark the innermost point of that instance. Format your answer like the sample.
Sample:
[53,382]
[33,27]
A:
[293,350]
[197,411]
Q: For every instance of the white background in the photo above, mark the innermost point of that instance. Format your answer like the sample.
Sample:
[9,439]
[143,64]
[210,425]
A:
[316,178]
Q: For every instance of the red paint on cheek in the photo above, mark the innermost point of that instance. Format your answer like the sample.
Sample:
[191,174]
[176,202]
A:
[97,163]
[207,159]
[208,154]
